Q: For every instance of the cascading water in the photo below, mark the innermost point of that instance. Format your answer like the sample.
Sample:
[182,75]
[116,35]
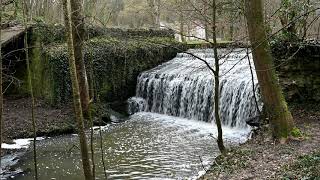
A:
[184,87]
[156,146]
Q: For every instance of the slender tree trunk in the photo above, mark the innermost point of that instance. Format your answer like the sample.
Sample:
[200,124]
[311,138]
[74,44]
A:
[78,34]
[181,21]
[15,14]
[90,114]
[217,82]
[154,6]
[274,101]
[76,96]
[26,48]
[231,25]
[318,33]
[1,95]
[231,29]
[205,14]
[31,8]
[158,13]
[305,21]
[189,33]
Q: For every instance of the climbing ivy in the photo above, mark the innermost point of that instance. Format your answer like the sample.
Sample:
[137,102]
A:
[116,64]
[55,33]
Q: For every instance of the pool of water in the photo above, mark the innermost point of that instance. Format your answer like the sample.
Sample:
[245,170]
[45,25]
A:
[147,146]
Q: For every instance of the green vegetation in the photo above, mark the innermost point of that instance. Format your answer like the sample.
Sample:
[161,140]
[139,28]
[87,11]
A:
[306,167]
[233,160]
[55,33]
[295,132]
[298,70]
[116,65]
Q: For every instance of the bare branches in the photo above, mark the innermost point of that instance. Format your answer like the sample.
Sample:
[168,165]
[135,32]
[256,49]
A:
[253,85]
[204,61]
[205,170]
[7,2]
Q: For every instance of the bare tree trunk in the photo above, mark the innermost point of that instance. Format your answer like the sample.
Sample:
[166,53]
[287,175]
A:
[31,8]
[158,13]
[274,101]
[318,33]
[15,13]
[181,21]
[90,113]
[78,34]
[216,81]
[154,8]
[305,21]
[205,14]
[26,48]
[1,95]
[76,95]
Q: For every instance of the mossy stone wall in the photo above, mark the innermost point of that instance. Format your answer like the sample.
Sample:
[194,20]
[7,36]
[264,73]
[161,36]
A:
[56,33]
[112,63]
[298,66]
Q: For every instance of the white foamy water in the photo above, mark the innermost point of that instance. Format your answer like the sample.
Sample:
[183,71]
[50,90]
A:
[198,128]
[171,134]
[20,143]
[184,87]
[147,146]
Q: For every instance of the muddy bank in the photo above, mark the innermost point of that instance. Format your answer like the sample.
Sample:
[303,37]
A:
[51,121]
[262,158]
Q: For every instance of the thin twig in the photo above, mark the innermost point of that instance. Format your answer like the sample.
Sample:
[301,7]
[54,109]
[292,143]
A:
[202,164]
[253,86]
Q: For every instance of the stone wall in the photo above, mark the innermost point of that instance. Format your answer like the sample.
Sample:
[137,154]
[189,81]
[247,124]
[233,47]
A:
[298,66]
[113,64]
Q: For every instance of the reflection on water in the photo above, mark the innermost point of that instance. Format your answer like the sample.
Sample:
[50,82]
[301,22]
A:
[147,146]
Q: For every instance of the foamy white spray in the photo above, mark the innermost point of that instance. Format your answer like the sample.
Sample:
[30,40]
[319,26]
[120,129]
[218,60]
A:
[184,87]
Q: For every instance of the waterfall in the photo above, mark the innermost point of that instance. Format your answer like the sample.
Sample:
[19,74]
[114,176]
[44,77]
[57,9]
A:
[184,87]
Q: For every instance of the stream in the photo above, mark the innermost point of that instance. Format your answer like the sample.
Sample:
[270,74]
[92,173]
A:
[171,131]
[147,146]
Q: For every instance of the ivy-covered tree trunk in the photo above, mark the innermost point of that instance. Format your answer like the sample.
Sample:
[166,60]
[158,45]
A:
[78,34]
[274,101]
[76,96]
[216,81]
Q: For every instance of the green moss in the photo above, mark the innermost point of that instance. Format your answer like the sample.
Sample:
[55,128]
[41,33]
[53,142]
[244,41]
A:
[55,33]
[41,82]
[105,89]
[295,132]
[115,65]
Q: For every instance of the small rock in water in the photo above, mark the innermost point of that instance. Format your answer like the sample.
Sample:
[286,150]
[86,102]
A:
[255,121]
